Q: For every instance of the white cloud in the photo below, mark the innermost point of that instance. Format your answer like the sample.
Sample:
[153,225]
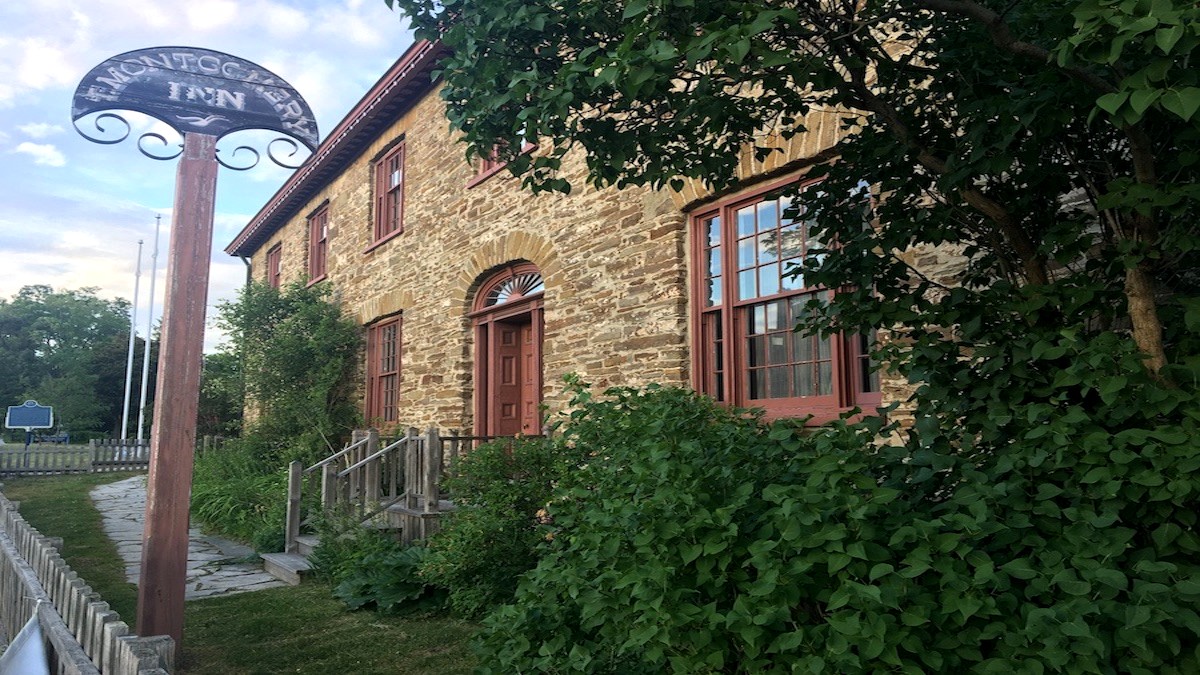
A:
[43,65]
[40,129]
[42,153]
[207,15]
[284,22]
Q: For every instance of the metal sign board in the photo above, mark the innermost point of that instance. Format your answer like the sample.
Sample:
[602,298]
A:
[196,91]
[29,415]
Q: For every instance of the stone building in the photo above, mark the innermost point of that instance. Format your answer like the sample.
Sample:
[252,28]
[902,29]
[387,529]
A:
[476,297]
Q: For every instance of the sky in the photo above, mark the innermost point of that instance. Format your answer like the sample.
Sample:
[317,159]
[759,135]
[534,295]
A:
[72,211]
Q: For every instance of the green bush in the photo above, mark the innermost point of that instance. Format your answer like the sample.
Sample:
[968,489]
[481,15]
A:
[371,568]
[494,535]
[390,582]
[700,539]
[345,543]
[233,494]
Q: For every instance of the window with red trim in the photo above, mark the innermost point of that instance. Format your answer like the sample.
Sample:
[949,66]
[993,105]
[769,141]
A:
[274,265]
[492,163]
[318,239]
[389,194]
[747,305]
[383,371]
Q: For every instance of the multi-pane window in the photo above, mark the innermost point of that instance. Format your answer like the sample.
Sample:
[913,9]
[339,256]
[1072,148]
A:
[389,194]
[274,264]
[749,301]
[383,371]
[318,240]
[492,163]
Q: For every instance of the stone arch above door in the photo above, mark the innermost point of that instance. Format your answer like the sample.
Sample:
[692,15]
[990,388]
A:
[495,255]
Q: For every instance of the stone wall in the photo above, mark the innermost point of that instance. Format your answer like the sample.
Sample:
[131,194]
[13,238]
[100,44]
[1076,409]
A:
[613,262]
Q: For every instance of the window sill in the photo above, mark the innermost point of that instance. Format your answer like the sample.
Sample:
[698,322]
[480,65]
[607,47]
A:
[380,242]
[819,417]
[316,280]
[485,175]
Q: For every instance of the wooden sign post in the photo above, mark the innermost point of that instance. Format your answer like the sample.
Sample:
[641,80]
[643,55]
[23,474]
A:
[181,355]
[203,95]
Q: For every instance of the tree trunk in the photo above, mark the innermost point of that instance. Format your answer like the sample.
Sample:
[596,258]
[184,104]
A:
[1143,313]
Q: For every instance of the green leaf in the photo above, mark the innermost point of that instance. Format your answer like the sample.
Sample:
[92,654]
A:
[738,49]
[1166,38]
[1182,102]
[1019,568]
[635,8]
[1111,103]
[880,570]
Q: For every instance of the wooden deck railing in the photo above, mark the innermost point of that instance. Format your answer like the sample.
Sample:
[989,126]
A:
[403,479]
[85,637]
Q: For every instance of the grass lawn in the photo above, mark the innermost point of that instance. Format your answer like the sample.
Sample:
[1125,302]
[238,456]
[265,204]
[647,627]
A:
[59,506]
[284,630]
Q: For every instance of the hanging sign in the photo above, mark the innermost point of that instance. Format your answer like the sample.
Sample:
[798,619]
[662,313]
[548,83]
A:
[196,91]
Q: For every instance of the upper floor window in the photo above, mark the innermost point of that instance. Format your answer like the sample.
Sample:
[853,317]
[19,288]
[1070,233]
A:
[383,371]
[318,240]
[274,264]
[389,194]
[492,163]
[746,305]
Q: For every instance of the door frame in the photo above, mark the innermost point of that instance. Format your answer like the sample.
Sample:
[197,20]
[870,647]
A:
[484,319]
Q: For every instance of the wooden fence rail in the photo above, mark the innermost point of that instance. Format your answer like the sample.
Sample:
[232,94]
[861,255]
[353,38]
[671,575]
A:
[83,636]
[99,456]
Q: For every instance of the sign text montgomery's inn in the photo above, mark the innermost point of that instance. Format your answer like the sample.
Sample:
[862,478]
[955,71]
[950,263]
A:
[196,90]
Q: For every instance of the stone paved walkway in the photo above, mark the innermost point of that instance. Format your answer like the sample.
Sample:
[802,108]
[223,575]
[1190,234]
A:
[215,566]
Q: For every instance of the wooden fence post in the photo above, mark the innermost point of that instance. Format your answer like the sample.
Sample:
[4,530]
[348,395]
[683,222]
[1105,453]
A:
[371,473]
[433,470]
[328,486]
[412,468]
[295,470]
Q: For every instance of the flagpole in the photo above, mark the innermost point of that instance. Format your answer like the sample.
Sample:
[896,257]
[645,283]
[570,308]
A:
[137,278]
[149,332]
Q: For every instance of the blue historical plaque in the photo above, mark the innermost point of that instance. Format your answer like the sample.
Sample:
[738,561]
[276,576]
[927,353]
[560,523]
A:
[29,415]
[196,91]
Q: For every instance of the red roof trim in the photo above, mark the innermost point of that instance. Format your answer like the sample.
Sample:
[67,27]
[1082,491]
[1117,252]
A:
[343,145]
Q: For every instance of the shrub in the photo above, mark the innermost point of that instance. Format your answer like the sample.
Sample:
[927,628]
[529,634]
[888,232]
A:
[389,581]
[494,535]
[345,543]
[234,495]
[371,568]
[699,539]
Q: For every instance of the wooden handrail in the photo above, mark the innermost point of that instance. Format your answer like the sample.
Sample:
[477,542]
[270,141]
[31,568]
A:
[367,460]
[337,455]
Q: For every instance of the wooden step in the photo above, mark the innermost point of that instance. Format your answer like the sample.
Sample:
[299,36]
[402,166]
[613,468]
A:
[287,567]
[307,543]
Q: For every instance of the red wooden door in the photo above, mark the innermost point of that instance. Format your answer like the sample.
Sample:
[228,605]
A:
[530,370]
[507,408]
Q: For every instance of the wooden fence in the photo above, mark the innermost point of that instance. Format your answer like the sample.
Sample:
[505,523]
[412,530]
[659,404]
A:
[83,636]
[99,456]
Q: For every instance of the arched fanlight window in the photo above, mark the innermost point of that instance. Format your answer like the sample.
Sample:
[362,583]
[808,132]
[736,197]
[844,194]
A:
[515,284]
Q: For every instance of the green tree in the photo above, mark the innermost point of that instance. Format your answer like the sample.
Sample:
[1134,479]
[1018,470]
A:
[298,356]
[1053,143]
[65,349]
[996,111]
[221,395]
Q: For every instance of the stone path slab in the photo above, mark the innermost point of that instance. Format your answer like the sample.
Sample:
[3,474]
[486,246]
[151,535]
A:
[215,566]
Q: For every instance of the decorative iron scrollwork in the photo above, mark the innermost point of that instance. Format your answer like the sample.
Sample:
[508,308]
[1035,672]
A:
[160,139]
